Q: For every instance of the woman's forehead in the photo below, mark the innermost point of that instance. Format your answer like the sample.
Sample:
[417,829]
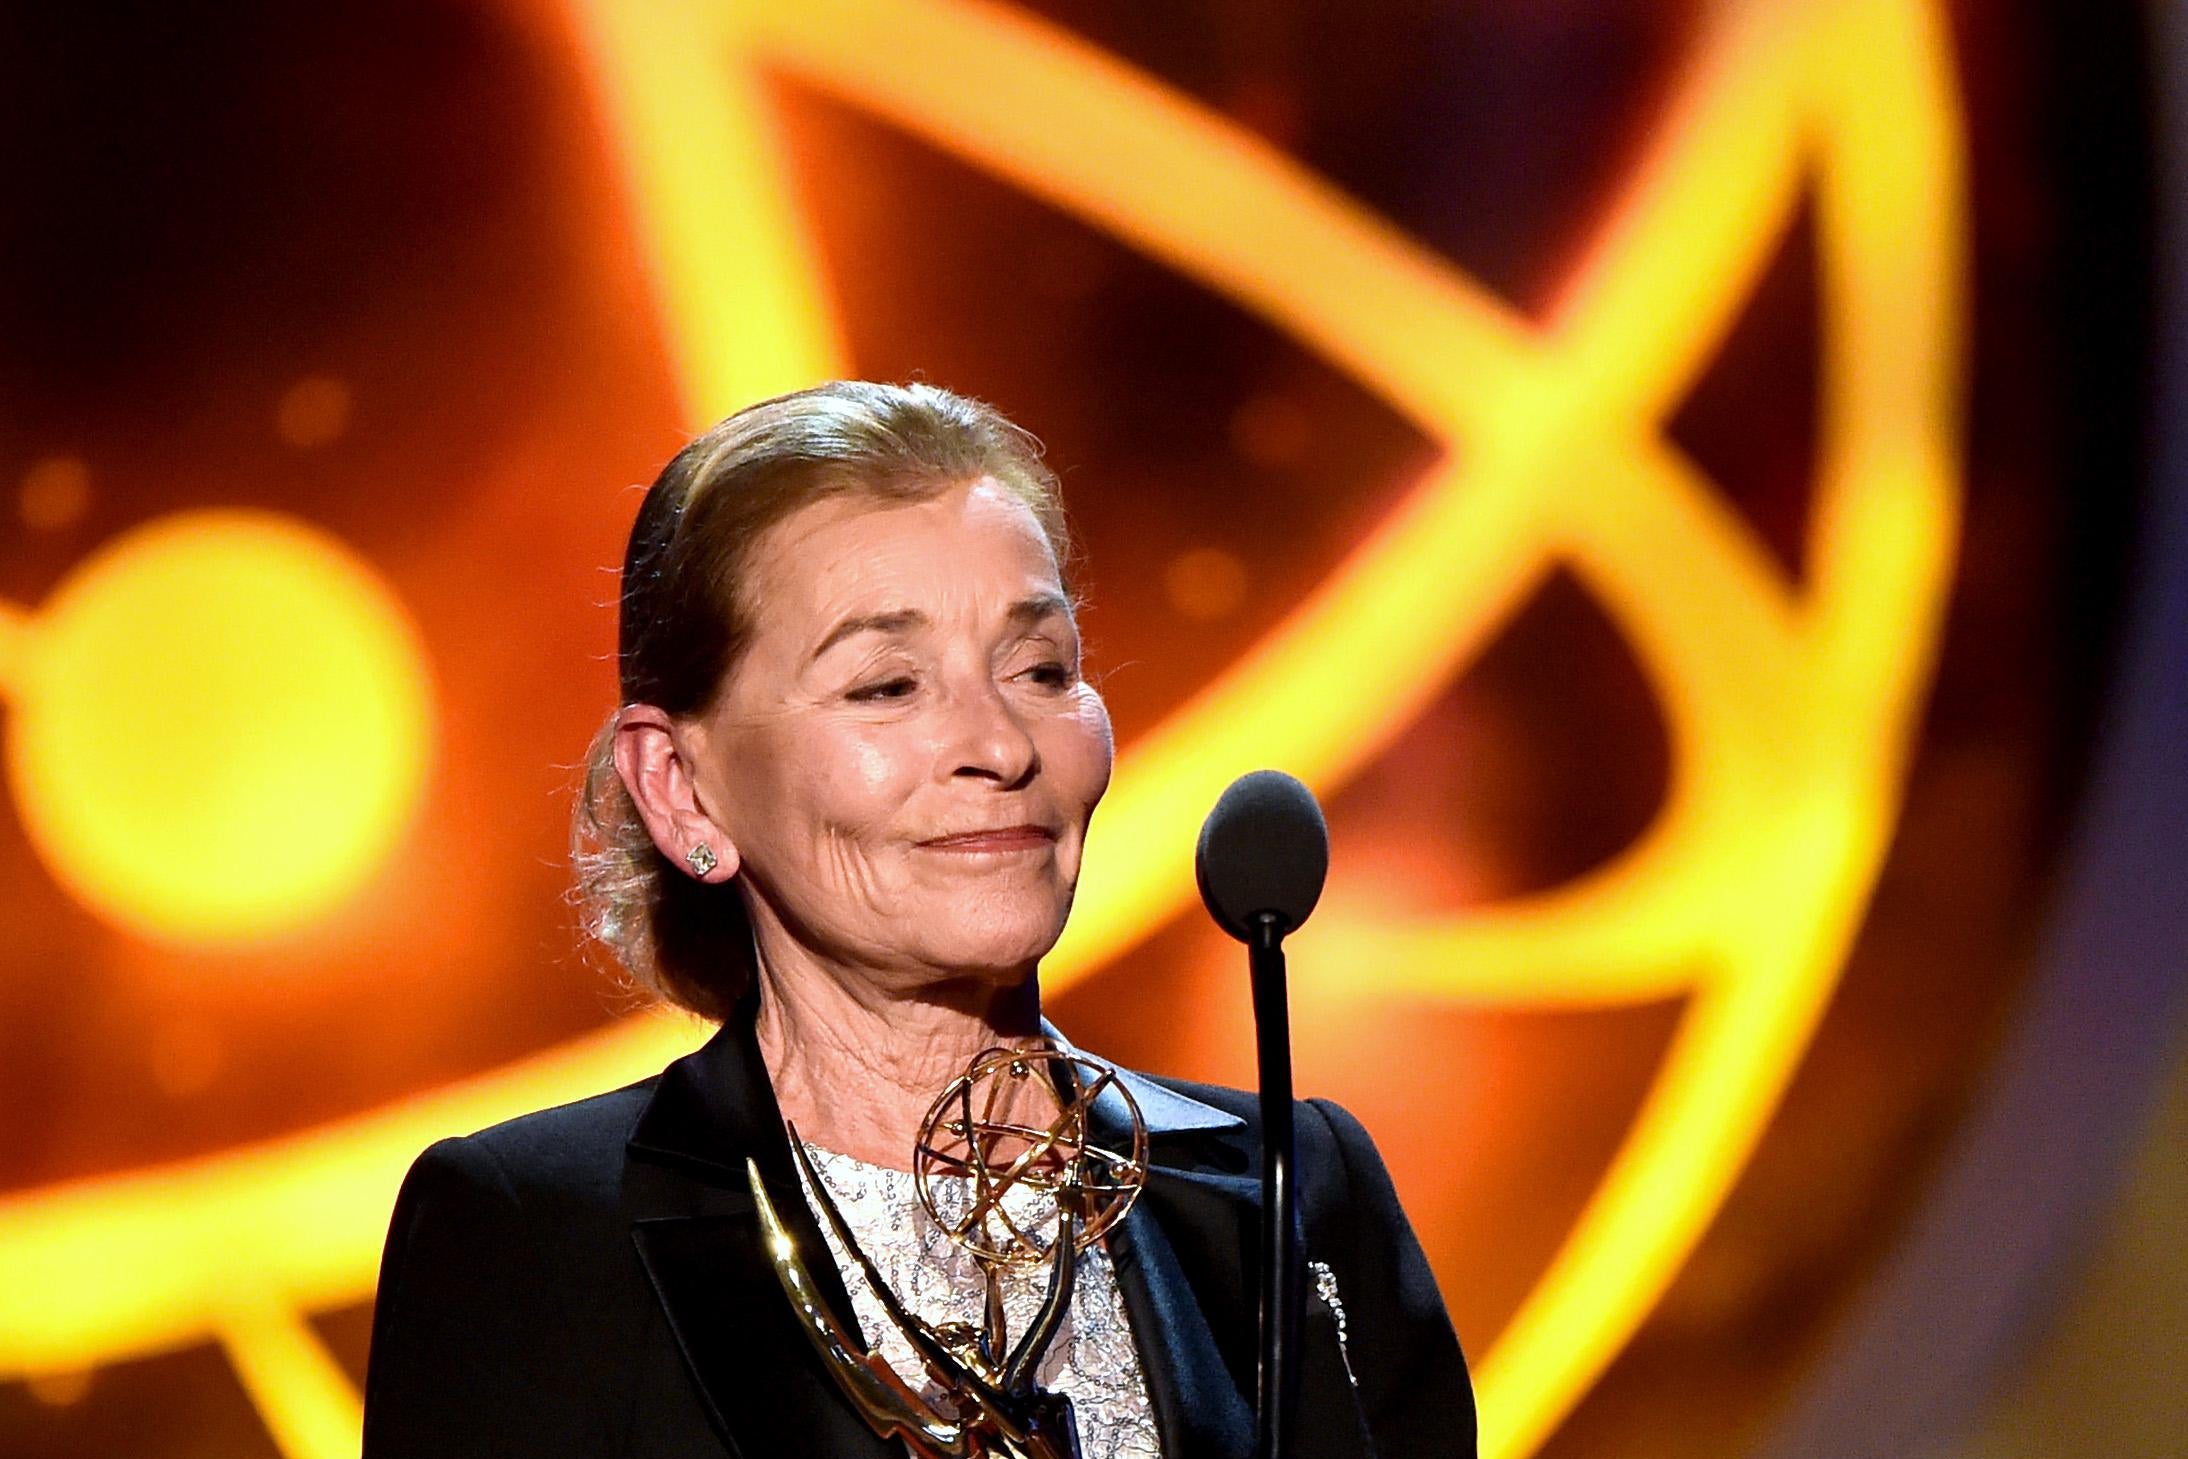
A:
[969,547]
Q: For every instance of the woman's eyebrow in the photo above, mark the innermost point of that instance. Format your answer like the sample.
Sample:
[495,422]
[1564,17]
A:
[1032,610]
[1023,614]
[898,621]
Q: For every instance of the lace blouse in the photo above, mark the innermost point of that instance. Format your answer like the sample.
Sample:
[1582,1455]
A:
[1092,1358]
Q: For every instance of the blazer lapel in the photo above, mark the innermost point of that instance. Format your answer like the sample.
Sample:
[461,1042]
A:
[763,1386]
[761,1383]
[1199,1336]
[1199,1410]
[1184,1214]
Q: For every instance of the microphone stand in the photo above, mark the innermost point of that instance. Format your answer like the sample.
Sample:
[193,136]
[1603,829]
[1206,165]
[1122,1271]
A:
[1280,1256]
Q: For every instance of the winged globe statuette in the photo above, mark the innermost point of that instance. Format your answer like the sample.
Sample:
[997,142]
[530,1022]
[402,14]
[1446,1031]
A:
[989,1405]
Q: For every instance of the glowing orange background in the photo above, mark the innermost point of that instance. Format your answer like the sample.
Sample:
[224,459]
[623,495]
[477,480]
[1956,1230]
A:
[1547,430]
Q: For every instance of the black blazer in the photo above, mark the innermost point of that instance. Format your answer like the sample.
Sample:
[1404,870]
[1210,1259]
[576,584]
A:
[589,1281]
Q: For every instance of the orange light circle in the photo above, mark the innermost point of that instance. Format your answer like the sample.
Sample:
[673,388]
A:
[221,727]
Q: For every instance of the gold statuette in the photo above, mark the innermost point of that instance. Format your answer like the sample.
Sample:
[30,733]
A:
[989,1404]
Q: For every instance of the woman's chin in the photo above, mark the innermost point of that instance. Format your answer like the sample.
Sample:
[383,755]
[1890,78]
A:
[1000,956]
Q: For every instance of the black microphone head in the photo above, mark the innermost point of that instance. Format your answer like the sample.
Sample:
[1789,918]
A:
[1264,848]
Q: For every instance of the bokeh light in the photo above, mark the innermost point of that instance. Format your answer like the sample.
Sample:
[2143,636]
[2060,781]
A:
[220,725]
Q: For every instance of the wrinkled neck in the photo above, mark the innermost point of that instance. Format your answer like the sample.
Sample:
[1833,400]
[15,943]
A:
[856,1063]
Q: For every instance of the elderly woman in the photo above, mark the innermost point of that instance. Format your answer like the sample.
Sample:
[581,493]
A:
[841,812]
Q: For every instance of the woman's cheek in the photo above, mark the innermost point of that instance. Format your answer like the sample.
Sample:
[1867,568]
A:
[869,773]
[1097,751]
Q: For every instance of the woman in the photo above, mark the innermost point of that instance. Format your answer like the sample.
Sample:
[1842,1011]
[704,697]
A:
[841,812]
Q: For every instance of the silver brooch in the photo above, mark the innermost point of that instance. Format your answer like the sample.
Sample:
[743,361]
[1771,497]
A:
[1325,1287]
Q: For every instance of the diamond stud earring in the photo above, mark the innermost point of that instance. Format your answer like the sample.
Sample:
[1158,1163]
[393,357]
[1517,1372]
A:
[702,859]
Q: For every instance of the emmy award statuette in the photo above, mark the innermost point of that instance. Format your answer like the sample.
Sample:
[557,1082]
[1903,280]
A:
[990,1404]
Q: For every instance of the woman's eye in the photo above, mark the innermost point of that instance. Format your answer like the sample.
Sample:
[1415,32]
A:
[895,688]
[1050,675]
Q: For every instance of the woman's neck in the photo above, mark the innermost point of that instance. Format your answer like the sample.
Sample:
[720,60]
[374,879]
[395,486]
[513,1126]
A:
[856,1065]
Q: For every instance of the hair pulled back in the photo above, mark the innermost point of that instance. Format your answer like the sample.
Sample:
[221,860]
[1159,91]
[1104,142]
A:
[685,615]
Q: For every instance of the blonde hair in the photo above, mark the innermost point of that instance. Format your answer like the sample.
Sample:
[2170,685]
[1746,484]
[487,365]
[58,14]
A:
[684,617]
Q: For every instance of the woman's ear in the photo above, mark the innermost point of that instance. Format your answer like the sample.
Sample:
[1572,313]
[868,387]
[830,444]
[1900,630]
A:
[656,771]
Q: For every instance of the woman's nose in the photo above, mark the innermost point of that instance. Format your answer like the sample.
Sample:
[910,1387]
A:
[989,740]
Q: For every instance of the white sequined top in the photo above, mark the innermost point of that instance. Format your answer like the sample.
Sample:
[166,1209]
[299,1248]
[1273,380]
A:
[1092,1358]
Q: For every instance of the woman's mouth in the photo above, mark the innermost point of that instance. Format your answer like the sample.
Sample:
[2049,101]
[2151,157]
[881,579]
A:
[996,838]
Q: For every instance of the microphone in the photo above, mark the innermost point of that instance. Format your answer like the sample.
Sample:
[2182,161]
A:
[1264,849]
[1264,853]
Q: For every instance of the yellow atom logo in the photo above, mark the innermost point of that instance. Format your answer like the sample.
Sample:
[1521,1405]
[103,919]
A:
[219,726]
[1790,711]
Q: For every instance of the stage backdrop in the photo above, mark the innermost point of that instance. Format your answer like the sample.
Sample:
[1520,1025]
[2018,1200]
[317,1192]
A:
[1666,474]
